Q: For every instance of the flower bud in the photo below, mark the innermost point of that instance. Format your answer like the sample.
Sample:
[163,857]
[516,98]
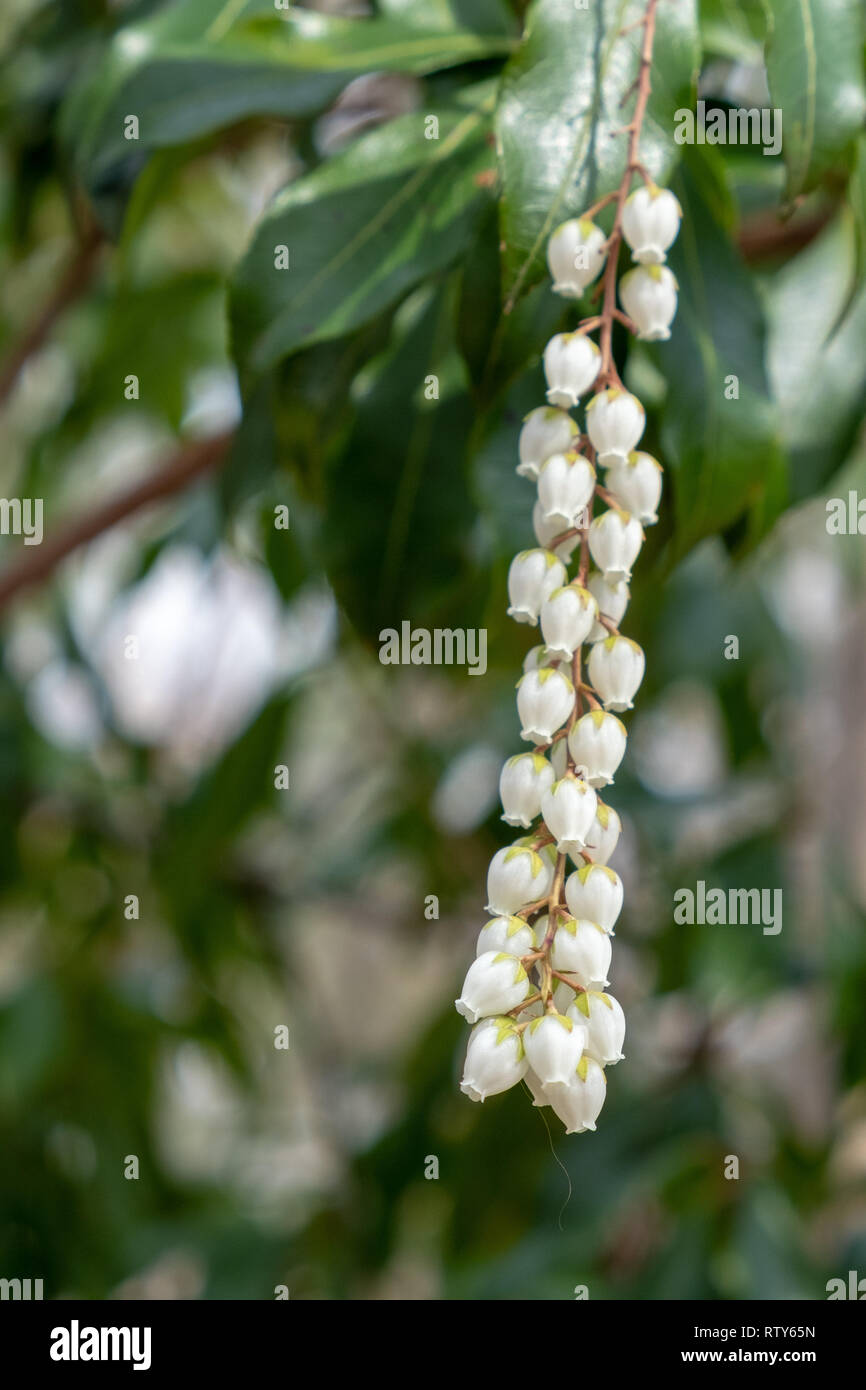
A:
[547,531]
[565,488]
[594,892]
[582,948]
[597,746]
[509,935]
[614,422]
[568,809]
[554,1045]
[571,365]
[575,256]
[616,668]
[636,485]
[579,1103]
[545,431]
[533,575]
[494,984]
[545,699]
[649,297]
[604,833]
[524,780]
[612,600]
[650,222]
[567,617]
[605,1022]
[517,875]
[495,1059]
[615,539]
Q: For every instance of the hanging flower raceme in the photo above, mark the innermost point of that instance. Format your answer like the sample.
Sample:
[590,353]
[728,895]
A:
[537,990]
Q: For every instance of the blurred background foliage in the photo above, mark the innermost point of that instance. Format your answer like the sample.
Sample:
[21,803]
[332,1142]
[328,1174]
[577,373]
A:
[153,1035]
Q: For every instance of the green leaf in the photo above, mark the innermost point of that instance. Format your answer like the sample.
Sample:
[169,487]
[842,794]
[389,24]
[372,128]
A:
[815,72]
[397,509]
[733,30]
[361,231]
[498,347]
[479,16]
[189,72]
[723,452]
[817,318]
[564,94]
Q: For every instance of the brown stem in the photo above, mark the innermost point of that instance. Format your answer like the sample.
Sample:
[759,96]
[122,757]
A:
[608,374]
[74,283]
[188,463]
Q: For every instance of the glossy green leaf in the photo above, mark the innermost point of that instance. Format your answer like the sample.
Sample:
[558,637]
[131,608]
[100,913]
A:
[733,29]
[815,71]
[190,71]
[361,231]
[477,16]
[817,317]
[397,510]
[721,437]
[564,96]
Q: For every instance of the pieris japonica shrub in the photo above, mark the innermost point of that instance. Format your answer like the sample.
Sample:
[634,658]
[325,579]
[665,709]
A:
[537,990]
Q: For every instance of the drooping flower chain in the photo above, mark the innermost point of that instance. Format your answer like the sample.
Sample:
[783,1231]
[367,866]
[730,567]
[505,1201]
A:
[536,992]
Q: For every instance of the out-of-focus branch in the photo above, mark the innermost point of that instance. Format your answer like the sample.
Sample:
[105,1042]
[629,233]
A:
[767,236]
[74,283]
[188,463]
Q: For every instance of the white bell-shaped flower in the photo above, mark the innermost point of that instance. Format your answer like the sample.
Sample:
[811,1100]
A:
[495,1059]
[546,533]
[616,668]
[554,1045]
[605,1021]
[579,1103]
[615,421]
[575,256]
[545,431]
[604,833]
[545,699]
[568,809]
[509,935]
[650,222]
[558,755]
[494,984]
[582,949]
[565,488]
[612,600]
[537,658]
[564,994]
[532,575]
[615,539]
[517,875]
[636,484]
[597,746]
[571,364]
[523,781]
[536,1090]
[567,618]
[649,297]
[594,892]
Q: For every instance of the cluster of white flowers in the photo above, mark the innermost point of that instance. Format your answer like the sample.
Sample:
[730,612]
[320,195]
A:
[536,990]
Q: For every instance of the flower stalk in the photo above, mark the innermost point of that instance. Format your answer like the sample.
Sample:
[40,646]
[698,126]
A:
[557,1028]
